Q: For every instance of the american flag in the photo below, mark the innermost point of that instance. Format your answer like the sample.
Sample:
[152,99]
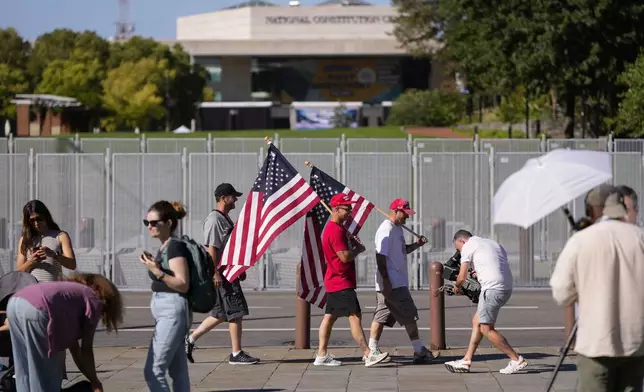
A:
[313,267]
[279,197]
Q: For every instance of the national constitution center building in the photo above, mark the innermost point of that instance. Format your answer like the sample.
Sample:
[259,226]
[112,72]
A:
[337,50]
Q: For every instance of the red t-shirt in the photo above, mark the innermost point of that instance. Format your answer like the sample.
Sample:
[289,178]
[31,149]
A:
[339,275]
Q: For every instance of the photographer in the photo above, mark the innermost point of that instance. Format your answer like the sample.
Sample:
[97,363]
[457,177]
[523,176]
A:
[490,262]
[602,269]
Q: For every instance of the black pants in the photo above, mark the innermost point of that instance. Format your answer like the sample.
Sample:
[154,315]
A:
[230,302]
[342,303]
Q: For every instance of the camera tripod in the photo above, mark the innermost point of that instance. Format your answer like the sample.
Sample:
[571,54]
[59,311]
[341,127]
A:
[562,356]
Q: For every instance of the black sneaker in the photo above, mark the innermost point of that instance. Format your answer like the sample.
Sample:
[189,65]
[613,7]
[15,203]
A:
[189,348]
[242,359]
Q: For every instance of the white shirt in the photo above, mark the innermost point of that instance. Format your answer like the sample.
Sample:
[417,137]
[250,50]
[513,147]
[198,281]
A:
[602,269]
[390,242]
[490,263]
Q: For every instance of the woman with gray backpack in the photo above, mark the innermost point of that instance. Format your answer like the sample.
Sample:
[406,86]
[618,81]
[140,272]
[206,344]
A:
[170,274]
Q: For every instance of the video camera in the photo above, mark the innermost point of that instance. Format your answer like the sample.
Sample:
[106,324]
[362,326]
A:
[580,224]
[471,287]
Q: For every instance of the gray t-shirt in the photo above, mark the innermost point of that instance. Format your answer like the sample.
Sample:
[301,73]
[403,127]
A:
[216,231]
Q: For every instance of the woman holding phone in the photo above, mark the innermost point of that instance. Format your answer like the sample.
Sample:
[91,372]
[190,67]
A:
[170,309]
[43,248]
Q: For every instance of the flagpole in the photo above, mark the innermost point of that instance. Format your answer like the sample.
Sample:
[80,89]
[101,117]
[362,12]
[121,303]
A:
[310,165]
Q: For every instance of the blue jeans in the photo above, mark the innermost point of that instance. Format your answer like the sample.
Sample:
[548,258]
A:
[35,371]
[172,318]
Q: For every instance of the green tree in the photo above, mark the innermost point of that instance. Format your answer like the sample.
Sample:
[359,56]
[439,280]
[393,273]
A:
[179,92]
[427,108]
[630,118]
[132,94]
[512,108]
[14,54]
[62,44]
[14,51]
[79,76]
[572,48]
[12,82]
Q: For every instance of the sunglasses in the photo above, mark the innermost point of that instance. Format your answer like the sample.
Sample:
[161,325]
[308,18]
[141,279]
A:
[154,223]
[36,219]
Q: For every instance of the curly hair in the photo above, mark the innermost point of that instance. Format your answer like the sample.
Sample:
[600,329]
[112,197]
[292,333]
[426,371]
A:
[112,310]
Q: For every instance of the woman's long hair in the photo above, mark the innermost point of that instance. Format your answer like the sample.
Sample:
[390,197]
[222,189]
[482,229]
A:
[112,311]
[28,231]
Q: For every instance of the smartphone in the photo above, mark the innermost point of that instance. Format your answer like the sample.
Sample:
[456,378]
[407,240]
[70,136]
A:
[145,252]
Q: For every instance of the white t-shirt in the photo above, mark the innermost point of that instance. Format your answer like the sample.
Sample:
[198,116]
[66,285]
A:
[390,242]
[490,263]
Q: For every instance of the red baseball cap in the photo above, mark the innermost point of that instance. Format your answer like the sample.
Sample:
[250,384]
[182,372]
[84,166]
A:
[341,199]
[402,205]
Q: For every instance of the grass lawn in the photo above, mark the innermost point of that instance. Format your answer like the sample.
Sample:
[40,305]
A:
[375,132]
[366,132]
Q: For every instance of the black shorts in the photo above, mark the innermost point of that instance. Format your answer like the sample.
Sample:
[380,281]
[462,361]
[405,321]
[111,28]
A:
[342,303]
[230,302]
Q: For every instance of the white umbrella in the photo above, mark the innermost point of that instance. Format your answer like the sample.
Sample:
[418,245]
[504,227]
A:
[547,183]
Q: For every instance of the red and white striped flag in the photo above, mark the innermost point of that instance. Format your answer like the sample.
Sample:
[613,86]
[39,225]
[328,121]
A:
[313,267]
[279,197]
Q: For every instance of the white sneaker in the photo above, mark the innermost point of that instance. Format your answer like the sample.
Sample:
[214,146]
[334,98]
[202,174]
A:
[375,357]
[514,366]
[460,366]
[377,351]
[327,360]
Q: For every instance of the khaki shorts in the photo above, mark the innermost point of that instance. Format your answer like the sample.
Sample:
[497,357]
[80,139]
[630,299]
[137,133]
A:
[398,306]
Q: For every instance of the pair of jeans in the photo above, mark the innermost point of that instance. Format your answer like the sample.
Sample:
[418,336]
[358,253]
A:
[172,321]
[34,370]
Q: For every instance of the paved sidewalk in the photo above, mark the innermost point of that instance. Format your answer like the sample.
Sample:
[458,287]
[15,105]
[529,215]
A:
[287,369]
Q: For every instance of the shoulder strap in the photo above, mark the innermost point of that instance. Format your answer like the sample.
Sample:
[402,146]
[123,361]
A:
[227,217]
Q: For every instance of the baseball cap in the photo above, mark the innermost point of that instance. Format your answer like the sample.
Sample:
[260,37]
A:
[609,198]
[226,189]
[402,205]
[341,199]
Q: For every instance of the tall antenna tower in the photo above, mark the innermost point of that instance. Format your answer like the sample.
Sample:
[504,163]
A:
[124,28]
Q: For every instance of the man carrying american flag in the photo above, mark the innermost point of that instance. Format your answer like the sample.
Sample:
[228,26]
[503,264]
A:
[311,287]
[340,250]
[279,197]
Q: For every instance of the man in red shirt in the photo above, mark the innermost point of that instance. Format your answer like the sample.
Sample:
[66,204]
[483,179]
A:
[340,250]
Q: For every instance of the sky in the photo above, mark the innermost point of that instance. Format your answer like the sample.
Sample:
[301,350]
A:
[152,18]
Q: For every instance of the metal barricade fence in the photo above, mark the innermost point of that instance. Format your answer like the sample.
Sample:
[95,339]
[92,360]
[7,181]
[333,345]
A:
[453,192]
[378,145]
[115,145]
[381,178]
[15,172]
[444,145]
[163,145]
[101,199]
[205,172]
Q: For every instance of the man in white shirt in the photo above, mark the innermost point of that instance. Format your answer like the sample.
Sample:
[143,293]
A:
[394,301]
[490,262]
[602,269]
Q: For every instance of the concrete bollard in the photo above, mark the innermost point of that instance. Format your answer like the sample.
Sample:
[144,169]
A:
[302,317]
[436,307]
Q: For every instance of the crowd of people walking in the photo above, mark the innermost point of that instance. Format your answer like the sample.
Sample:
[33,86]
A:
[601,268]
